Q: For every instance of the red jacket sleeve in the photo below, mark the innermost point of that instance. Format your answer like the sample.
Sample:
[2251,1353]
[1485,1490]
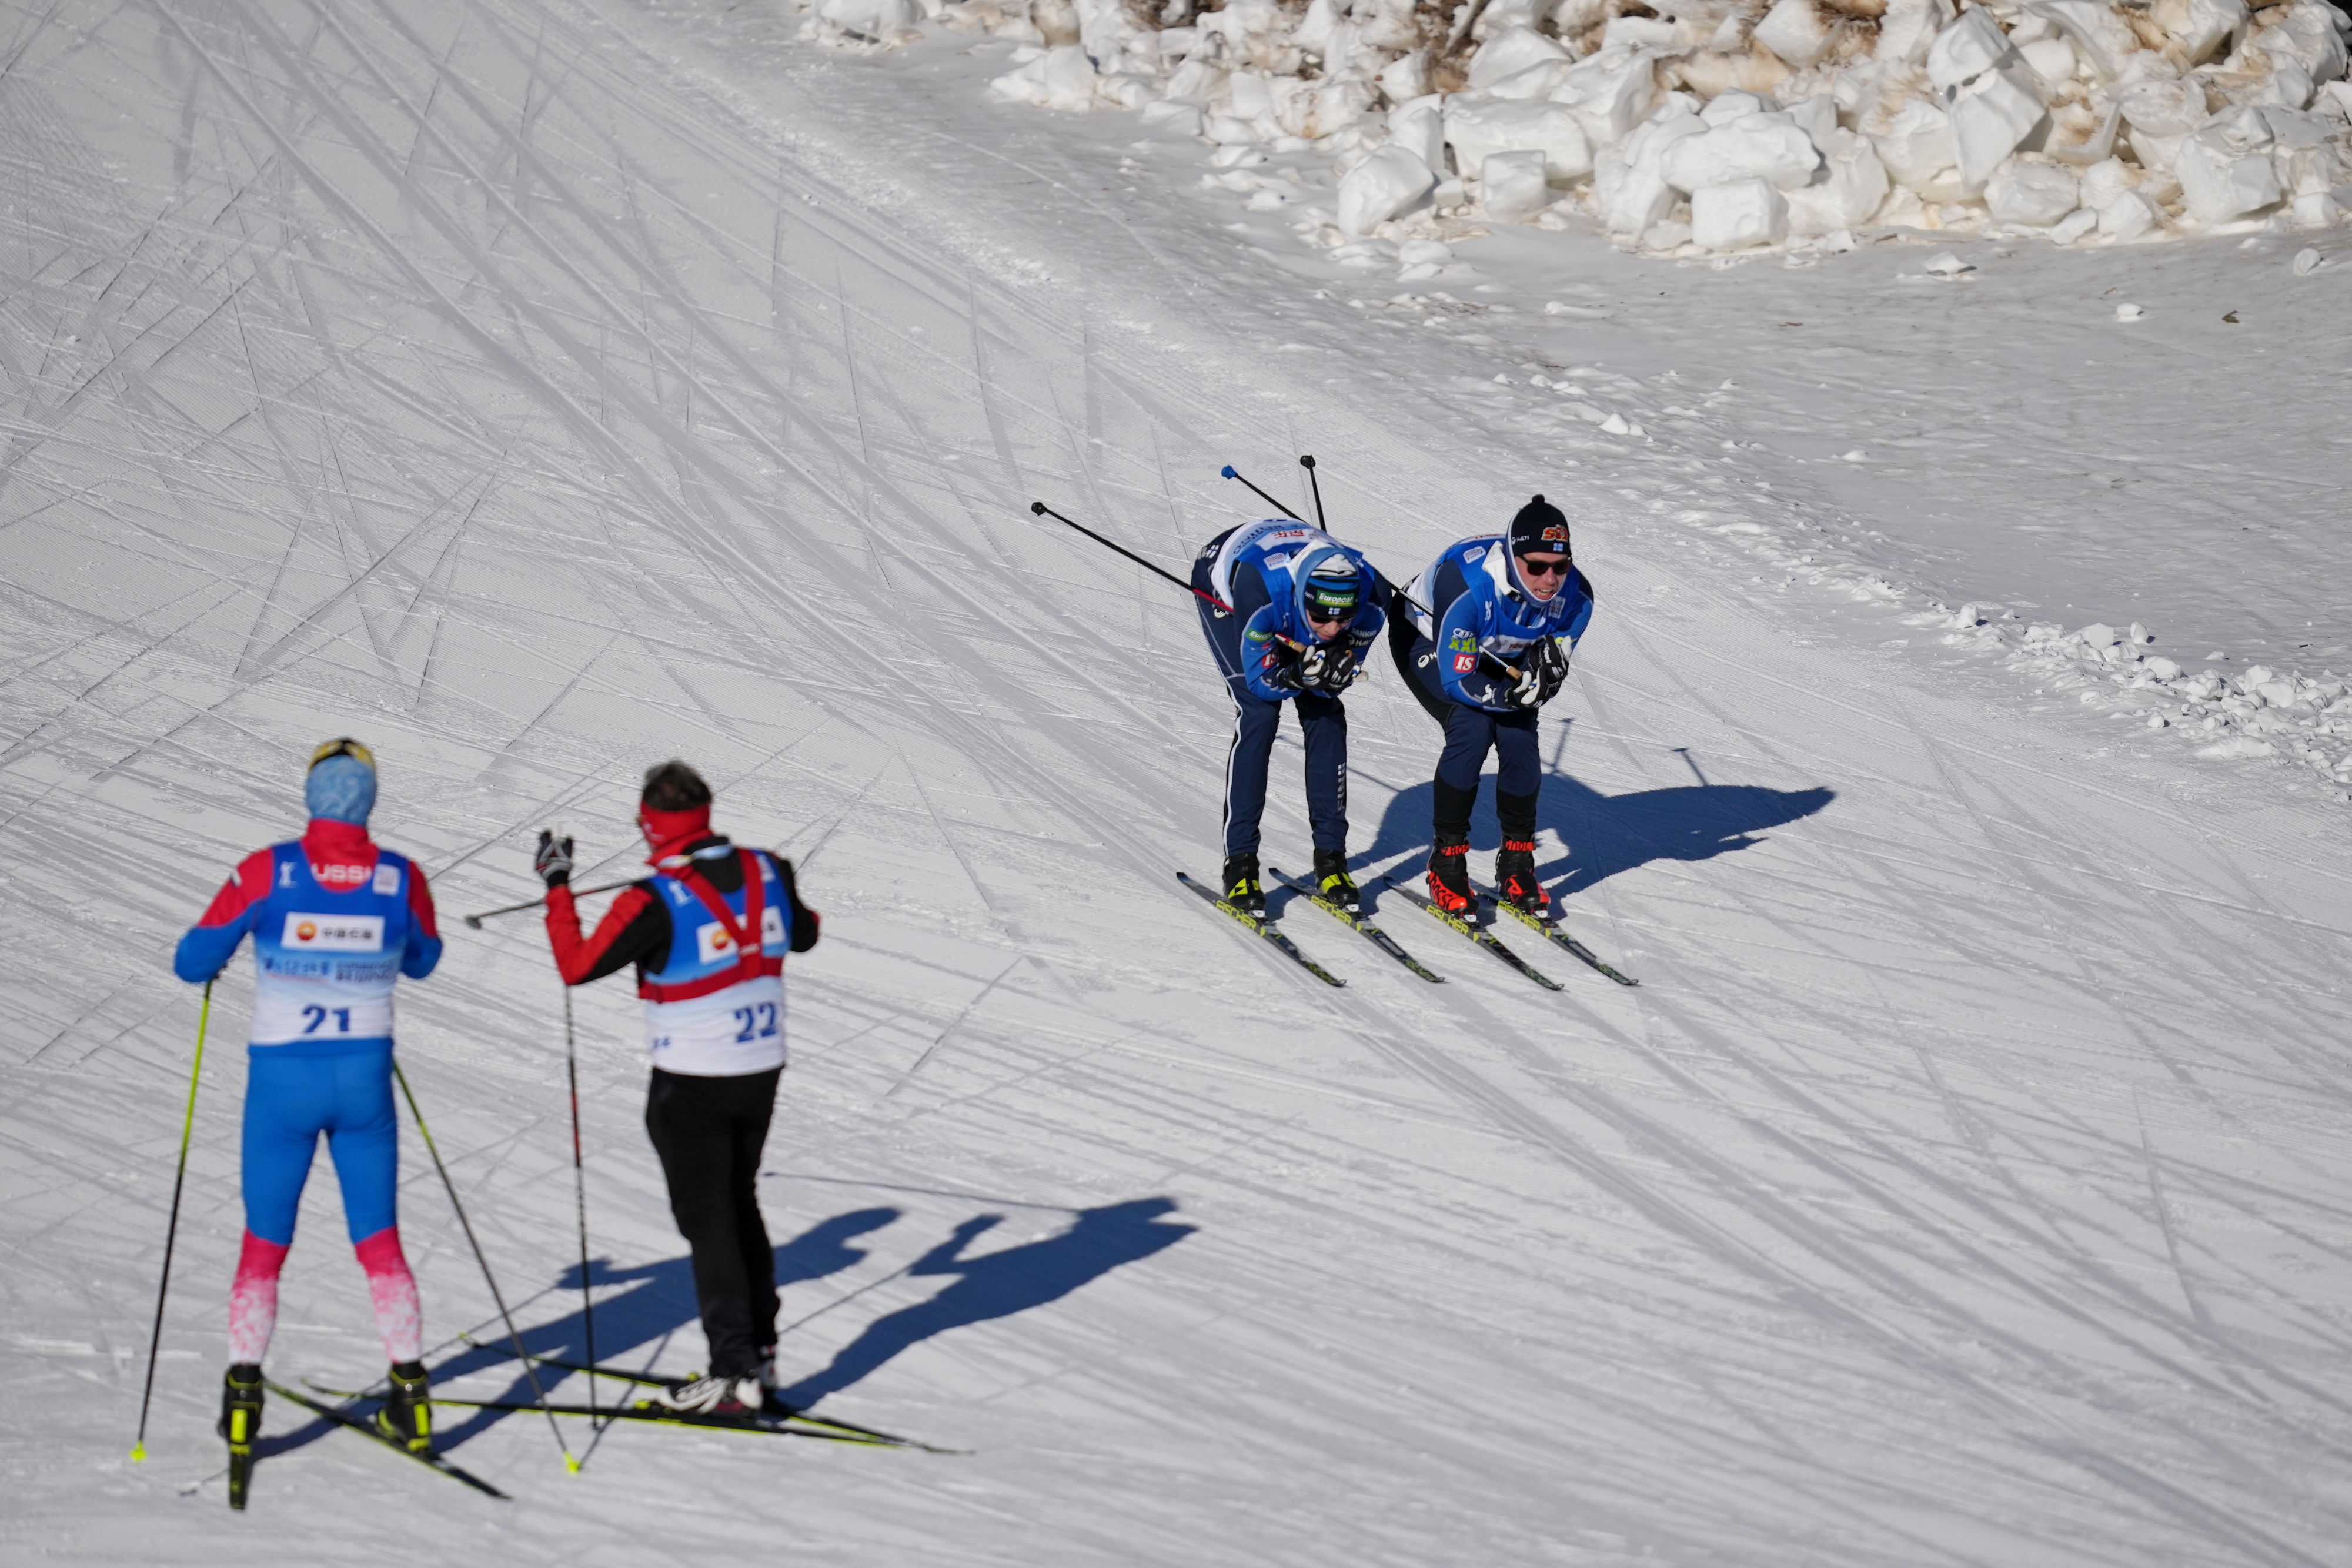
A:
[635,929]
[420,901]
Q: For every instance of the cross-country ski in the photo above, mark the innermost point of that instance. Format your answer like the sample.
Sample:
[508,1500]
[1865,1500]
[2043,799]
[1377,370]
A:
[737,720]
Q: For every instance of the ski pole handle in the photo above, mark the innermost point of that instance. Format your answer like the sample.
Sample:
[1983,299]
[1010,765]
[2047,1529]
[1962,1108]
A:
[1039,508]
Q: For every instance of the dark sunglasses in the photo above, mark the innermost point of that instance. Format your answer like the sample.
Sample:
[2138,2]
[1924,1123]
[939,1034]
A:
[1533,568]
[1324,614]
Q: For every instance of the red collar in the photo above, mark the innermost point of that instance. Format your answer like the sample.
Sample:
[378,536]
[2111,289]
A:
[342,855]
[673,833]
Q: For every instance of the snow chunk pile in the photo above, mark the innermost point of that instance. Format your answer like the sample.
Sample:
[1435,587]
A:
[1711,126]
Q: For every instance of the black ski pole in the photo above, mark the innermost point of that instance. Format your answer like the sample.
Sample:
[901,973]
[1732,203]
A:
[580,1191]
[1042,510]
[522,1355]
[172,1229]
[1307,461]
[476,920]
[1230,472]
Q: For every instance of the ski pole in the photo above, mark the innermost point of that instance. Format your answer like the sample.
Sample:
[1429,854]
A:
[1230,472]
[1042,510]
[579,1190]
[172,1231]
[522,1355]
[1307,461]
[476,920]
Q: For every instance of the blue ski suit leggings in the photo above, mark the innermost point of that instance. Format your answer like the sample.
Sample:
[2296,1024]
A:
[1470,734]
[1322,717]
[293,1094]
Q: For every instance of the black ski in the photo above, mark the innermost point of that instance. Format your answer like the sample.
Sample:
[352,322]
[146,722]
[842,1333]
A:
[1267,929]
[776,1409]
[655,1414]
[1378,937]
[367,1429]
[1557,934]
[1485,939]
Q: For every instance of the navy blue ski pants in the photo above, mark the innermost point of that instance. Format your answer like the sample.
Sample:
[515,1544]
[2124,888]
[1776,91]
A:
[1324,720]
[1470,734]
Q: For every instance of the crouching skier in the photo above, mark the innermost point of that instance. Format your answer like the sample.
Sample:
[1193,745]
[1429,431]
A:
[335,921]
[1302,609]
[1508,610]
[709,932]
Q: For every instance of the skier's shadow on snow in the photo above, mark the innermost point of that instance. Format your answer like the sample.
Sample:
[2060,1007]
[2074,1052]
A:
[994,1285]
[1607,834]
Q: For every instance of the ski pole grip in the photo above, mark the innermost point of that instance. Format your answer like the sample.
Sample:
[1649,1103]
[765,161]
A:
[1227,471]
[1307,460]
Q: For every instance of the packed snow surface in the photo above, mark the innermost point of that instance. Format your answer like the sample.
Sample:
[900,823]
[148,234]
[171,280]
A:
[539,389]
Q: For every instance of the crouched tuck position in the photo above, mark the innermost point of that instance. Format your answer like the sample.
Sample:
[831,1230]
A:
[1504,614]
[709,932]
[1299,610]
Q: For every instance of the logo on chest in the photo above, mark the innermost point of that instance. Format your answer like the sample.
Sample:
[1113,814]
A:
[334,934]
[713,946]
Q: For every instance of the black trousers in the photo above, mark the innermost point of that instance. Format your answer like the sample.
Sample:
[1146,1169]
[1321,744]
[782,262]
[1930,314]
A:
[708,1133]
[1470,734]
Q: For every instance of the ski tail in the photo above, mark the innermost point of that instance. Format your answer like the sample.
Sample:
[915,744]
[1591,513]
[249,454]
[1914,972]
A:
[1267,929]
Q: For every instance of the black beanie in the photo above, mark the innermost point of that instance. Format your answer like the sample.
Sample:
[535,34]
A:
[1540,528]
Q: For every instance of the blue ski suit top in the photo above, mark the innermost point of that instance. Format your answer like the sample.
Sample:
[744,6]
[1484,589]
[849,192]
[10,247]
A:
[1261,570]
[1483,617]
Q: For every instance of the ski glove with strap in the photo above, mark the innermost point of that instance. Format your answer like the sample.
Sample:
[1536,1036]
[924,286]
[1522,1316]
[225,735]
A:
[554,860]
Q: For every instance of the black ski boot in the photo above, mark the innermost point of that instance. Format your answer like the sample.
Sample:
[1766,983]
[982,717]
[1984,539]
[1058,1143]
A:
[1515,878]
[240,1423]
[1243,890]
[1449,876]
[1332,879]
[407,1415]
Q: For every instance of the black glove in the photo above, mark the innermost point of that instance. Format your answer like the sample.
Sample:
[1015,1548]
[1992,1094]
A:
[1313,661]
[1552,665]
[1341,665]
[554,860]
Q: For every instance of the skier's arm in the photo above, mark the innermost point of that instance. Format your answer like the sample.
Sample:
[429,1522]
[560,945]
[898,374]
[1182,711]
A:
[634,929]
[423,950]
[212,941]
[804,920]
[1269,659]
[1467,676]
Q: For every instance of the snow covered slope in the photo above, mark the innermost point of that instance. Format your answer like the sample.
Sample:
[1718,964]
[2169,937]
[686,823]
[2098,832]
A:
[539,391]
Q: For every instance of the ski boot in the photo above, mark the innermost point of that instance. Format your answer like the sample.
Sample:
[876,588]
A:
[1331,880]
[407,1415]
[240,1423]
[1515,878]
[771,1381]
[1449,877]
[1243,890]
[710,1395]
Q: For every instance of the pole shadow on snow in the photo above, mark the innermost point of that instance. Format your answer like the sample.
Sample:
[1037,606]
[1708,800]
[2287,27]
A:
[995,1285]
[1607,834]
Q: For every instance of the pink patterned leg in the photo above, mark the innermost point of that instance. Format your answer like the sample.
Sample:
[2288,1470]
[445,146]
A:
[253,1299]
[399,1319]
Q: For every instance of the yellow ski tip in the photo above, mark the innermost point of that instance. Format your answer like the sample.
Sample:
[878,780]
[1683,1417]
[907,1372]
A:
[571,1464]
[138,1453]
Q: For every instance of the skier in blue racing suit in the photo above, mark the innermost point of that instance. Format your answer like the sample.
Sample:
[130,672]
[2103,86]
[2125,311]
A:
[1504,613]
[1300,608]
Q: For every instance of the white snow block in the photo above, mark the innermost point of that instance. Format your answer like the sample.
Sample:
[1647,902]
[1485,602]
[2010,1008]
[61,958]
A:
[2104,180]
[2316,209]
[2226,170]
[2099,34]
[1406,78]
[1726,107]
[2074,226]
[1991,115]
[2023,190]
[1611,92]
[1753,147]
[1799,31]
[1477,128]
[1537,81]
[1742,214]
[1381,187]
[1848,191]
[1919,149]
[1419,127]
[2128,216]
[1908,27]
[1628,189]
[1971,46]
[1510,51]
[1061,78]
[1512,186]
[870,18]
[2197,26]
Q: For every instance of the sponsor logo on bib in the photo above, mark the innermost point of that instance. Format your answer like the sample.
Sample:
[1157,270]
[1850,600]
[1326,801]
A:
[387,879]
[334,932]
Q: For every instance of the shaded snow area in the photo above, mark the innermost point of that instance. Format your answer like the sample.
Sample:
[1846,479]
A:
[539,389]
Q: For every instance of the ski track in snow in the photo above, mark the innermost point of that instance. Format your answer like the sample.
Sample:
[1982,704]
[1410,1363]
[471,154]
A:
[540,389]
